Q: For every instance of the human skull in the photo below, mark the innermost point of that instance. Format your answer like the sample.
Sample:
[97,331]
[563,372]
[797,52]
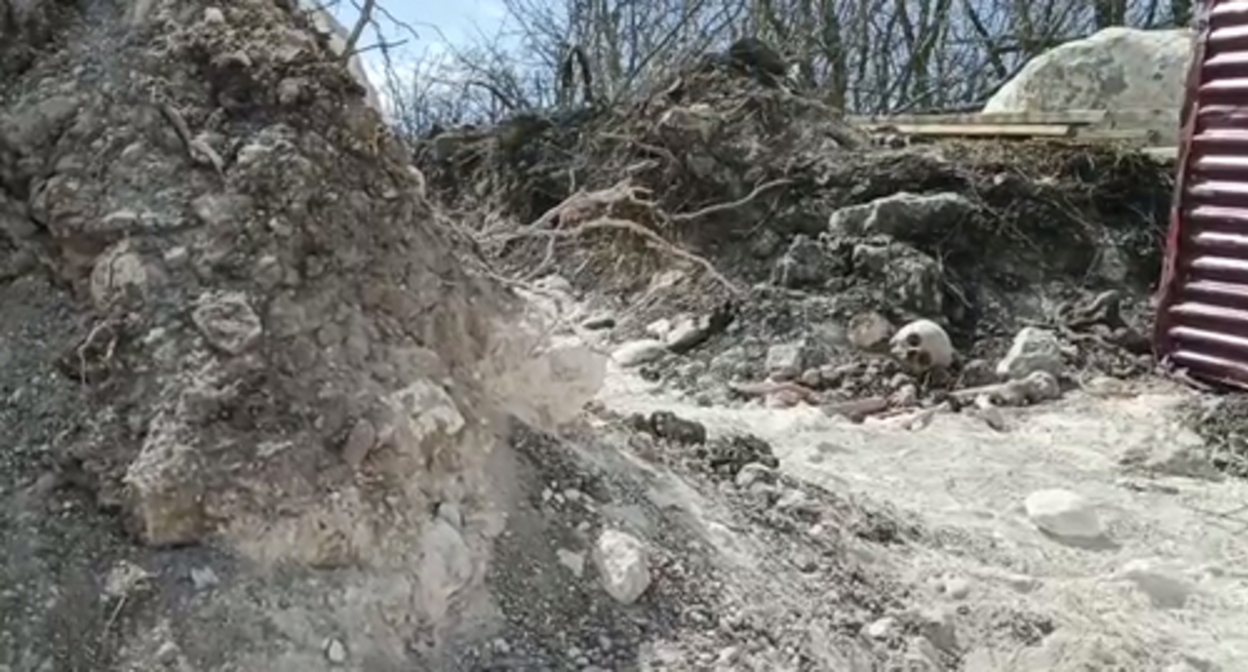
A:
[922,345]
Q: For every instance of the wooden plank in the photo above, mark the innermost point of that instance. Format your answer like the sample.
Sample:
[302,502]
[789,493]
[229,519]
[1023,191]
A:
[1128,117]
[1067,117]
[987,130]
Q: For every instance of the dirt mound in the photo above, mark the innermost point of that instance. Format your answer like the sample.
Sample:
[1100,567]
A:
[767,200]
[230,321]
[252,383]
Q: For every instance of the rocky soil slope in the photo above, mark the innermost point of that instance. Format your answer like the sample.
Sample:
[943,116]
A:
[266,406]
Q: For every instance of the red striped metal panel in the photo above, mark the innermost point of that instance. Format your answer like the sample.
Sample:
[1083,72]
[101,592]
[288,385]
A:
[1202,311]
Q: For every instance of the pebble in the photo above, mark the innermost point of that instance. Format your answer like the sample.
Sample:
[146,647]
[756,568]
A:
[598,321]
[336,652]
[687,333]
[635,353]
[451,513]
[1063,513]
[796,502]
[1165,589]
[957,587]
[870,331]
[622,565]
[939,628]
[167,653]
[204,578]
[882,628]
[754,473]
[659,327]
[786,360]
[575,562]
[1033,350]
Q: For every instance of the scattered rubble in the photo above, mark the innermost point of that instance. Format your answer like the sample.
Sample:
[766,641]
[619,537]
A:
[369,447]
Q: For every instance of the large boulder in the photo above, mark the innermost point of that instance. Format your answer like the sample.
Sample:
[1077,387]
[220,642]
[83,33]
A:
[1113,69]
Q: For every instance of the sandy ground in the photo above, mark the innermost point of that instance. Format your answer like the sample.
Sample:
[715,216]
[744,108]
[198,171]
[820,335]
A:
[1165,591]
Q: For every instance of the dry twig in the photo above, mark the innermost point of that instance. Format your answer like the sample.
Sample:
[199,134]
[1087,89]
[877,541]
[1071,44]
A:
[199,152]
[654,239]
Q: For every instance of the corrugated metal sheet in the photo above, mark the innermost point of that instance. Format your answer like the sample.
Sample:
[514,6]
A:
[1202,312]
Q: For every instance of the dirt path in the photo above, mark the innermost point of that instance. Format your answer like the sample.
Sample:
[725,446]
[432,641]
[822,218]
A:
[1165,592]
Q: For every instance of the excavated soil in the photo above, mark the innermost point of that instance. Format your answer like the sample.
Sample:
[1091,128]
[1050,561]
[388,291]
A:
[718,199]
[754,224]
[255,385]
[253,396]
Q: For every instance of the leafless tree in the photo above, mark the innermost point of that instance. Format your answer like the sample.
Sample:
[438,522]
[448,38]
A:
[864,56]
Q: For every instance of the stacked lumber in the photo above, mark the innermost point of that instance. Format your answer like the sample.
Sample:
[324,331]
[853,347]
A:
[1132,126]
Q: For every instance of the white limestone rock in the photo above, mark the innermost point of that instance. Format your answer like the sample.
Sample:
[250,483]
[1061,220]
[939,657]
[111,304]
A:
[1063,513]
[623,566]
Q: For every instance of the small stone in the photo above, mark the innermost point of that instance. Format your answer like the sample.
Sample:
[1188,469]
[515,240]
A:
[786,360]
[899,381]
[636,353]
[1033,350]
[290,89]
[221,211]
[227,322]
[957,588]
[752,473]
[881,629]
[659,327]
[214,15]
[450,512]
[977,373]
[336,652]
[360,442]
[812,378]
[125,578]
[1164,589]
[796,502]
[622,565]
[687,334]
[905,396]
[668,425]
[575,562]
[118,272]
[1063,513]
[902,215]
[166,654]
[598,321]
[870,331]
[939,627]
[804,264]
[203,578]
